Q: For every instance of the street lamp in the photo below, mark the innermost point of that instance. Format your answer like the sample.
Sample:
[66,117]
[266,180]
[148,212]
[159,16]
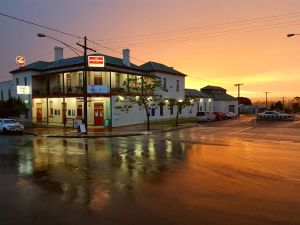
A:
[291,35]
[69,46]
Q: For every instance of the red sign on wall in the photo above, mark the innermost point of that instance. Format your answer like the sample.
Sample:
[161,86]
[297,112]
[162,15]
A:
[96,61]
[20,61]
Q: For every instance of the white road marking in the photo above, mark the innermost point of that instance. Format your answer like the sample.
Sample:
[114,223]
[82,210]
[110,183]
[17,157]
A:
[248,128]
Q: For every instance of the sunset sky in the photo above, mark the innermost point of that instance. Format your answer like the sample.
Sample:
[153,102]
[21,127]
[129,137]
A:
[214,42]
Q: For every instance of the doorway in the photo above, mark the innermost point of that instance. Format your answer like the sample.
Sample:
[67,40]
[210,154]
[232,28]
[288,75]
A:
[98,114]
[39,113]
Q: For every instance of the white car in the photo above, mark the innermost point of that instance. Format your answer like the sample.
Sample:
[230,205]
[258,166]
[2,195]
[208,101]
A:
[230,115]
[10,125]
[205,116]
[273,115]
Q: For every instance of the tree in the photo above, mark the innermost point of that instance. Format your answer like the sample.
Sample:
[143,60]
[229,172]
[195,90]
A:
[296,107]
[141,92]
[276,106]
[12,108]
[180,105]
[244,100]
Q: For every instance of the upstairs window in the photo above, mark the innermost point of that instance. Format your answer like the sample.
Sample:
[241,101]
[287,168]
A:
[2,97]
[25,81]
[9,93]
[177,85]
[17,81]
[80,80]
[164,84]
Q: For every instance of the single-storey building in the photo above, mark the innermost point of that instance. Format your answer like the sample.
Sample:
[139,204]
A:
[222,102]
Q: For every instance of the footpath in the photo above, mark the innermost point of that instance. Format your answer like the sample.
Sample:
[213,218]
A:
[124,131]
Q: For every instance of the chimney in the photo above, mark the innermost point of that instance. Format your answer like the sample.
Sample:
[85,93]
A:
[59,53]
[126,57]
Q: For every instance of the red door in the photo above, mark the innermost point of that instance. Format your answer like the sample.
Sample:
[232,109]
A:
[39,113]
[98,114]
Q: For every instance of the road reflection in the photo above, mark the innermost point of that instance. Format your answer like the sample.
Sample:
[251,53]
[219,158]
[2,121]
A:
[94,172]
[172,178]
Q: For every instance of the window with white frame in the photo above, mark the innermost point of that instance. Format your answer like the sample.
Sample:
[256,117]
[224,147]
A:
[164,84]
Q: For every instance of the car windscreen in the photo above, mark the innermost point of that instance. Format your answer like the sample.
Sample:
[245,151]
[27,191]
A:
[9,121]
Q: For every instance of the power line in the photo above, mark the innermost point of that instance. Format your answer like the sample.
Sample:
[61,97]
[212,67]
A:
[222,33]
[236,22]
[209,81]
[61,32]
[39,25]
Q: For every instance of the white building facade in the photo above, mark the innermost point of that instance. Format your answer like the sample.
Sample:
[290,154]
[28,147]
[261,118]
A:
[54,91]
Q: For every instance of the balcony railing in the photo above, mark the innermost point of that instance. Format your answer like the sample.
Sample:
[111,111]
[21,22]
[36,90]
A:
[92,89]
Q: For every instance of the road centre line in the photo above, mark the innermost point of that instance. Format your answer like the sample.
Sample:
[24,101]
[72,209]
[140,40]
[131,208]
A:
[248,128]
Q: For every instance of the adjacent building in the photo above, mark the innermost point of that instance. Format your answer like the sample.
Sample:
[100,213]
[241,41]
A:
[201,102]
[6,90]
[222,102]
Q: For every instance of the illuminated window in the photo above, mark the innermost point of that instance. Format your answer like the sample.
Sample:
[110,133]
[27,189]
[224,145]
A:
[79,109]
[51,108]
[80,80]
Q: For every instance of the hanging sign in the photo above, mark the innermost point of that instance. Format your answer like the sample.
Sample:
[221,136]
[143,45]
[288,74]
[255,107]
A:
[20,61]
[96,61]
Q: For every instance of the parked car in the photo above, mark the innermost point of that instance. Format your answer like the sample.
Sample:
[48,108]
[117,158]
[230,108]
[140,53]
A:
[205,116]
[273,115]
[230,115]
[10,125]
[219,115]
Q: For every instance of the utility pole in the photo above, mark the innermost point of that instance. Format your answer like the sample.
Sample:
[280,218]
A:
[283,101]
[238,85]
[85,68]
[267,99]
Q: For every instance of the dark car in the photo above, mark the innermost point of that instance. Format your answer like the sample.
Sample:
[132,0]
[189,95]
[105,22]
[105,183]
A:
[219,115]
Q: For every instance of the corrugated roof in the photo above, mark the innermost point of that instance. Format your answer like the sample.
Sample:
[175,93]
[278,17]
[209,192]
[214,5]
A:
[158,67]
[195,93]
[216,88]
[223,97]
[79,60]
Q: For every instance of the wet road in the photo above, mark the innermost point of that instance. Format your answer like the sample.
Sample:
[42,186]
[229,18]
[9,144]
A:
[222,173]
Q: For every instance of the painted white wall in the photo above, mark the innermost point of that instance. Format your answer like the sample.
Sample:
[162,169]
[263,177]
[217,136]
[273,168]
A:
[223,106]
[119,118]
[5,86]
[171,87]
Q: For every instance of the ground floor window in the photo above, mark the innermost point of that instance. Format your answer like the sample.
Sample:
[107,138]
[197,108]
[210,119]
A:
[161,110]
[171,110]
[79,109]
[231,108]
